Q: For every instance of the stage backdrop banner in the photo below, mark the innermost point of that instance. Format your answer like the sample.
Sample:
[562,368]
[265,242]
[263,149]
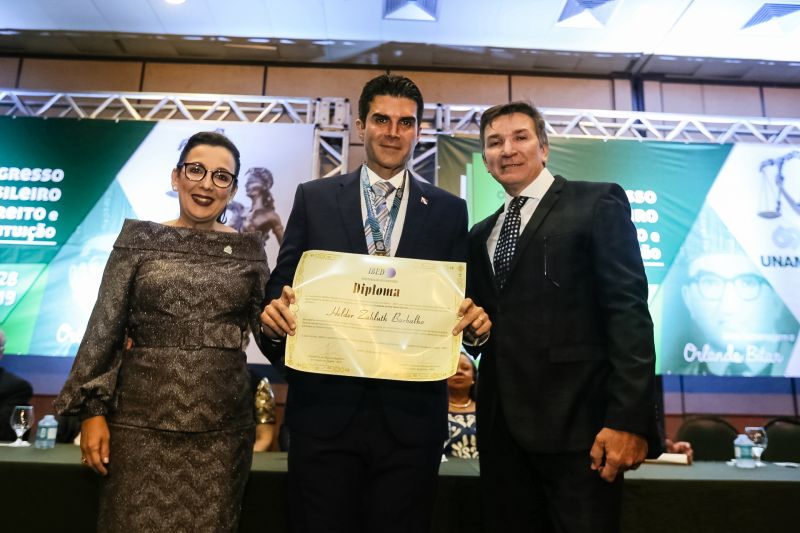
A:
[66,186]
[719,233]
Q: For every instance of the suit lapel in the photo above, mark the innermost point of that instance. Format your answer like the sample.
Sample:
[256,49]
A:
[349,200]
[483,236]
[416,217]
[542,210]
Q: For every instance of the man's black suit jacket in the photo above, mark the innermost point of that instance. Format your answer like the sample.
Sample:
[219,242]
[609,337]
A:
[571,348]
[327,216]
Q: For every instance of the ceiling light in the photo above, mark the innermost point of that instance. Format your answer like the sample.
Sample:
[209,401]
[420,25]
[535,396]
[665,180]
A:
[175,2]
[268,47]
[410,10]
[768,12]
[586,14]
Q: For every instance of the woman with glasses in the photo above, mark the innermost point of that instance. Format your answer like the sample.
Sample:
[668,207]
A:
[160,379]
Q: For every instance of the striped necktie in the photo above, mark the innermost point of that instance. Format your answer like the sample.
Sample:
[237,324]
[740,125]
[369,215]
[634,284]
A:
[381,190]
[507,242]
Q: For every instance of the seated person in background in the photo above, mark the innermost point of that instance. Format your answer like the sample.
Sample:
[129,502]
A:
[679,447]
[13,391]
[265,416]
[669,446]
[461,388]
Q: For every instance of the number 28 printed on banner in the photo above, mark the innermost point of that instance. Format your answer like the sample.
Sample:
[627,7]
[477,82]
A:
[8,279]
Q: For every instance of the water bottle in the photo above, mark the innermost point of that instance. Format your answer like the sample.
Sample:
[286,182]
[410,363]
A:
[46,432]
[743,452]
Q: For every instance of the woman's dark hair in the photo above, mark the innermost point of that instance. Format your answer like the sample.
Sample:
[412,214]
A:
[212,138]
[389,85]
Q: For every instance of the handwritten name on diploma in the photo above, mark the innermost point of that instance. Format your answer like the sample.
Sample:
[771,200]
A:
[376,317]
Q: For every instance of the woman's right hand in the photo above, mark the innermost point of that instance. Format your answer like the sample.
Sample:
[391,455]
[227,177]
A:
[95,438]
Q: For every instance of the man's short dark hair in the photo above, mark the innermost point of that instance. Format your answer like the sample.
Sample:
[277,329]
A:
[389,85]
[515,107]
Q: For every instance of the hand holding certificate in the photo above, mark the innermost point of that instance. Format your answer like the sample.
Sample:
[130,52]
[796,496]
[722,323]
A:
[379,317]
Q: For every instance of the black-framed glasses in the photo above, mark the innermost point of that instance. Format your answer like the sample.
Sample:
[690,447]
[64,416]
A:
[712,286]
[197,172]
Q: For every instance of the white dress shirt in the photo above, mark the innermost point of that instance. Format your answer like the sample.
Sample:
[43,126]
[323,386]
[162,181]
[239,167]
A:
[397,181]
[534,192]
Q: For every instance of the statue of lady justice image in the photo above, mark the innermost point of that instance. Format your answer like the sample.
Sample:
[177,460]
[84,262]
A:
[262,216]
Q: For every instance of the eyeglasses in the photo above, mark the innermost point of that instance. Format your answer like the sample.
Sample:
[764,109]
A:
[197,172]
[712,286]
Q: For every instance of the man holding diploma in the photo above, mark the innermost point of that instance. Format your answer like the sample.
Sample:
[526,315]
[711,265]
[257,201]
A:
[365,453]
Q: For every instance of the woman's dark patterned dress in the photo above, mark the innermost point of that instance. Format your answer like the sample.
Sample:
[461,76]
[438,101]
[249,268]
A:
[462,441]
[178,403]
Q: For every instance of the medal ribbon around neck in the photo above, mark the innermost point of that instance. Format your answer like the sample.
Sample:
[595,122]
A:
[381,243]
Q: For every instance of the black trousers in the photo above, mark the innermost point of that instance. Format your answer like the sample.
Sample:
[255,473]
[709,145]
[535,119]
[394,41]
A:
[363,480]
[530,492]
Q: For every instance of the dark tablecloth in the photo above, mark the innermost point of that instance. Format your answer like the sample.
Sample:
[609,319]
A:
[48,490]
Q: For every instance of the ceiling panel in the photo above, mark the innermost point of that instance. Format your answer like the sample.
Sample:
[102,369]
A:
[298,19]
[192,18]
[249,18]
[33,17]
[127,16]
[697,39]
[71,14]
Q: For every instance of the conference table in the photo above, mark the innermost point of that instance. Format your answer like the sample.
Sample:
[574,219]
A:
[49,490]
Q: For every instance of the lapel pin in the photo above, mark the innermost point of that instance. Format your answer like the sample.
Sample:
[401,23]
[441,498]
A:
[424,200]
[228,250]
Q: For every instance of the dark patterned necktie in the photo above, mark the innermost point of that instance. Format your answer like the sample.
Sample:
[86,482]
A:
[507,242]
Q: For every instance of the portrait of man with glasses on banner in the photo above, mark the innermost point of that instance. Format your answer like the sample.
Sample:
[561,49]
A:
[721,316]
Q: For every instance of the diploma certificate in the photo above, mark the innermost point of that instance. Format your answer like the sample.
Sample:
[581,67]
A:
[377,317]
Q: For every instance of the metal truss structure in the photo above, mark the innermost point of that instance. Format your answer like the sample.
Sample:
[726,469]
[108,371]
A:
[330,116]
[591,123]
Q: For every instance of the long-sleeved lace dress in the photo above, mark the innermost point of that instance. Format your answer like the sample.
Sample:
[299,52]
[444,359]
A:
[178,403]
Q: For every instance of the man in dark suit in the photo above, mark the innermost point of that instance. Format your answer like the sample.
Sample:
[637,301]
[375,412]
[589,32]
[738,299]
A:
[365,453]
[565,399]
[13,391]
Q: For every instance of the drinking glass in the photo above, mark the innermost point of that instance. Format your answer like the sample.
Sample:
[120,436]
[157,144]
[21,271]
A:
[759,437]
[21,421]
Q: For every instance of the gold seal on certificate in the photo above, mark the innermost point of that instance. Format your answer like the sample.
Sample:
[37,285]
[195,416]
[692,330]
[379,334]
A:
[376,316]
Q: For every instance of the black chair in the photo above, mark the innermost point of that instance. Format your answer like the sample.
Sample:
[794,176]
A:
[711,437]
[783,440]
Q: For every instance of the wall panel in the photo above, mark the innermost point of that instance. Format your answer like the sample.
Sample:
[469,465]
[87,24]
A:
[200,78]
[80,75]
[652,96]
[563,92]
[623,96]
[732,100]
[681,98]
[8,71]
[781,102]
[459,88]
